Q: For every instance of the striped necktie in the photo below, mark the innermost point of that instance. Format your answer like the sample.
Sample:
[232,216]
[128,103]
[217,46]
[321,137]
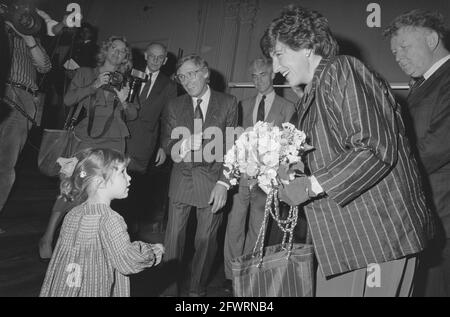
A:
[198,114]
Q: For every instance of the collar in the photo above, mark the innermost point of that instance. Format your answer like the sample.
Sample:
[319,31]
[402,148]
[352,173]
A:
[435,67]
[205,97]
[154,75]
[269,96]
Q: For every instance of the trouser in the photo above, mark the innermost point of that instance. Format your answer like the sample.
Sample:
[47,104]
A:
[205,245]
[389,279]
[13,135]
[237,242]
[434,270]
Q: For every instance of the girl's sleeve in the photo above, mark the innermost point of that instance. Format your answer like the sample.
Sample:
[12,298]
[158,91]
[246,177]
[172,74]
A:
[126,256]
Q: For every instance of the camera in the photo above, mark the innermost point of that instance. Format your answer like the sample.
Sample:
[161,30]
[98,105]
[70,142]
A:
[134,79]
[23,17]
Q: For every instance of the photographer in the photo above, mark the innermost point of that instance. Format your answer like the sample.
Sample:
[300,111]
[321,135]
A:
[98,91]
[20,98]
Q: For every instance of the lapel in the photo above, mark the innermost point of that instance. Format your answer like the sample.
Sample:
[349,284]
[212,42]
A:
[213,111]
[247,110]
[157,87]
[275,110]
[310,93]
[187,113]
[427,84]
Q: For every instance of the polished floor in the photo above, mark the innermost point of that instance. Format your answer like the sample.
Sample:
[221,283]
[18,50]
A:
[25,217]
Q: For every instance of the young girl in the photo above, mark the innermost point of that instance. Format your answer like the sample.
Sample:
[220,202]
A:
[94,255]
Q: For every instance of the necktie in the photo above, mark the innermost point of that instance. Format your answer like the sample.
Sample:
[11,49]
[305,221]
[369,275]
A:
[260,115]
[147,86]
[416,82]
[198,114]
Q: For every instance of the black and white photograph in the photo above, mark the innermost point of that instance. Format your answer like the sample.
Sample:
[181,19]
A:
[245,151]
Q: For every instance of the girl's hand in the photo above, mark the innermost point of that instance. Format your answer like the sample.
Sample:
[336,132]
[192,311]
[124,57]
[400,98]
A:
[102,79]
[123,94]
[158,249]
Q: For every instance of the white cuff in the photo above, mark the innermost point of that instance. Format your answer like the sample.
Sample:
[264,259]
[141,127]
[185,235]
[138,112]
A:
[315,186]
[224,184]
[50,24]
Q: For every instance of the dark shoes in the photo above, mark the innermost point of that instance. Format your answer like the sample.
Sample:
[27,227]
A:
[228,286]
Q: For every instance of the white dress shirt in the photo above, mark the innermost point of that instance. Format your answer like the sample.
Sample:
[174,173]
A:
[154,76]
[435,67]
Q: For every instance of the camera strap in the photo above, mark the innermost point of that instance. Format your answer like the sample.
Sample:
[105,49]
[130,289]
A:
[92,115]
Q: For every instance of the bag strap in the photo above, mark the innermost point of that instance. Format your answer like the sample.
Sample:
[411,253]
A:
[287,226]
[72,117]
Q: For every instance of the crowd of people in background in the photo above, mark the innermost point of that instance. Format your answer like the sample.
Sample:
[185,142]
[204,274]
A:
[378,183]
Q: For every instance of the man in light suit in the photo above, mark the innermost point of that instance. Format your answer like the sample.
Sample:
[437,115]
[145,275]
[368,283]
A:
[266,106]
[196,180]
[145,134]
[417,42]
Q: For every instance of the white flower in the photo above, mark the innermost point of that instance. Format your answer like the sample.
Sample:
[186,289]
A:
[271,159]
[252,169]
[233,182]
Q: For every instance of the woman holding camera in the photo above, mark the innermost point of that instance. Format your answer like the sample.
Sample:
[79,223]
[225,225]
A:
[103,95]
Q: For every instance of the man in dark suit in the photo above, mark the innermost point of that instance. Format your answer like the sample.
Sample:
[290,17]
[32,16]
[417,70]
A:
[363,199]
[144,141]
[417,42]
[266,106]
[197,178]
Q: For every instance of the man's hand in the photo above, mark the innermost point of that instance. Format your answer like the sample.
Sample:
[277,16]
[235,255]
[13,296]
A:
[160,157]
[218,198]
[297,191]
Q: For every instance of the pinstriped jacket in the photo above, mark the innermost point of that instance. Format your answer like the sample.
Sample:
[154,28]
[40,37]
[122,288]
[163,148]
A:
[374,208]
[192,182]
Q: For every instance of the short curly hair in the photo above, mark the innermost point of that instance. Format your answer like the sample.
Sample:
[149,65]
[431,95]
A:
[418,18]
[300,28]
[101,56]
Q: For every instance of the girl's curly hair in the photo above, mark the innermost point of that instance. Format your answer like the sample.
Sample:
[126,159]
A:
[92,163]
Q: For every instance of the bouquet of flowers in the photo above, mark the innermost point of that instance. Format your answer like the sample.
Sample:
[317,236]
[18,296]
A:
[268,156]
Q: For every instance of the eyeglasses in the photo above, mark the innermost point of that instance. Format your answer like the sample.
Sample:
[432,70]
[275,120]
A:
[188,76]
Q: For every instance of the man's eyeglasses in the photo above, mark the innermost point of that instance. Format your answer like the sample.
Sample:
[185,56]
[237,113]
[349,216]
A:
[188,76]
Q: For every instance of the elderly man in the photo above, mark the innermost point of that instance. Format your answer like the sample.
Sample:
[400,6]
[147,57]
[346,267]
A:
[197,179]
[144,142]
[264,106]
[363,199]
[418,46]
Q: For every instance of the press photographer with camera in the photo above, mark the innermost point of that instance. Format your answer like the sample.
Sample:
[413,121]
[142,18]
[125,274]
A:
[28,57]
[103,91]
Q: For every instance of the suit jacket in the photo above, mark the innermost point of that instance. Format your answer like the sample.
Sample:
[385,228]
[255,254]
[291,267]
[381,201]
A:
[83,93]
[374,209]
[281,111]
[144,130]
[429,106]
[192,182]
